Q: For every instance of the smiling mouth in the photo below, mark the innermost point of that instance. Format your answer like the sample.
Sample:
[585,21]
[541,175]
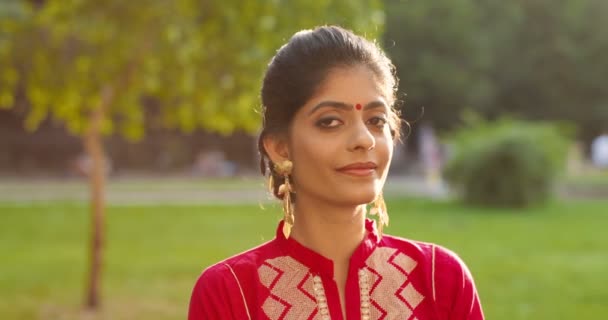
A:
[358,172]
[359,169]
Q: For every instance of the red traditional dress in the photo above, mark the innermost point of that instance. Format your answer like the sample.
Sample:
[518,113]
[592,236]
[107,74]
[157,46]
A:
[388,278]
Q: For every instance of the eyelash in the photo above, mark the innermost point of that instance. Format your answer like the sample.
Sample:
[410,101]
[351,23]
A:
[326,122]
[382,119]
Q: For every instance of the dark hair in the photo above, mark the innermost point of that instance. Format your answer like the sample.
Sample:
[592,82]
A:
[299,68]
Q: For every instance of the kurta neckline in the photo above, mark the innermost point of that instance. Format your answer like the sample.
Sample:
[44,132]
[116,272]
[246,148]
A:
[318,263]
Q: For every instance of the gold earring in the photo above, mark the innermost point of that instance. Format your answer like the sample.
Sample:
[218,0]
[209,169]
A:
[284,169]
[379,208]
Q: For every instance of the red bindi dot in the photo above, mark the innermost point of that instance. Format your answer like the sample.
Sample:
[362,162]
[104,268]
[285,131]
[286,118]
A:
[358,106]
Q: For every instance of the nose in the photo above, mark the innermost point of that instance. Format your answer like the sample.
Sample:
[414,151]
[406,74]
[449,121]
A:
[361,138]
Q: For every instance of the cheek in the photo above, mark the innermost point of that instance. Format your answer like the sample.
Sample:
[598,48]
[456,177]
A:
[309,153]
[384,147]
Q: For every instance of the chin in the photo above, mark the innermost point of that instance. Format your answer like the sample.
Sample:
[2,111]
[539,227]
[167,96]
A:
[359,198]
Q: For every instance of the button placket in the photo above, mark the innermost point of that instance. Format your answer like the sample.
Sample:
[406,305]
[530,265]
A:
[364,294]
[320,296]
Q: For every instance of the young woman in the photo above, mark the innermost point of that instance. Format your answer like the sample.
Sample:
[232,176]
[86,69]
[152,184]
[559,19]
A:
[328,132]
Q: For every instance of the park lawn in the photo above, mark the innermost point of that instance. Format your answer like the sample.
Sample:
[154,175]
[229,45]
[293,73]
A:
[542,263]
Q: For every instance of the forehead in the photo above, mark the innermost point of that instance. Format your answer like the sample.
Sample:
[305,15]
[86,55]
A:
[350,85]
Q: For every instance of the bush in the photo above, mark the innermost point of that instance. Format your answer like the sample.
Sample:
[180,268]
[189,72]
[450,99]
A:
[505,163]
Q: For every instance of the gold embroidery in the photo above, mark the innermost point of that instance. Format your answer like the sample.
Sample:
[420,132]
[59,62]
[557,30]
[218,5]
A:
[294,293]
[406,263]
[412,296]
[385,280]
[321,298]
[364,294]
[267,275]
[273,308]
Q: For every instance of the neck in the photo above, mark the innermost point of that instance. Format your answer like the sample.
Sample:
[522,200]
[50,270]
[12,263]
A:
[332,231]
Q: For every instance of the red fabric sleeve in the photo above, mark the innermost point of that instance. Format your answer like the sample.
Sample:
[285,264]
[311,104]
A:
[217,295]
[454,288]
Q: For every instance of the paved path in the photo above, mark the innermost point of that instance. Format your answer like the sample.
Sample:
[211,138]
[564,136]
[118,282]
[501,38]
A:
[146,190]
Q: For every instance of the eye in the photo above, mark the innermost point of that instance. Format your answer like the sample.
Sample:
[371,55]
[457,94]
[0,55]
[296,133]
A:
[329,123]
[379,122]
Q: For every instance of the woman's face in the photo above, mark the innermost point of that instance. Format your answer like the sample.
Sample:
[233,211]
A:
[340,141]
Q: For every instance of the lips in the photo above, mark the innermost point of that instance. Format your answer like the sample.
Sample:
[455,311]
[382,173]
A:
[359,169]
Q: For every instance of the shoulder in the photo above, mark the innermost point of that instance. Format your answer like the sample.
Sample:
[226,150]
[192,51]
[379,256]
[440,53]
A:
[220,290]
[451,273]
[451,283]
[244,262]
[419,250]
[425,251]
[444,264]
[447,259]
[454,287]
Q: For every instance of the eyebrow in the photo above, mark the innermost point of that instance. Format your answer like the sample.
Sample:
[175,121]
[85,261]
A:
[346,106]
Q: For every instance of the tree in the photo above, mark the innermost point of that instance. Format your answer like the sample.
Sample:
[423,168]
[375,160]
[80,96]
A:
[98,67]
[534,59]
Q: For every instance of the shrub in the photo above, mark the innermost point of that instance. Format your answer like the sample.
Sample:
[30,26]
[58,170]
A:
[505,163]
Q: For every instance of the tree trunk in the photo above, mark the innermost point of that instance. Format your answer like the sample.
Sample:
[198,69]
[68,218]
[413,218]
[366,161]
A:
[97,175]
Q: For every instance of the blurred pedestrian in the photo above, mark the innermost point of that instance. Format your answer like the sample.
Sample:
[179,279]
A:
[599,151]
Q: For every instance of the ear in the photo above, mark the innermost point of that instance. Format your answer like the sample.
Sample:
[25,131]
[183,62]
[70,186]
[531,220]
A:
[276,148]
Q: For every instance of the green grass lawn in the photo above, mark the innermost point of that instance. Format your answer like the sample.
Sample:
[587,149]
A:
[544,263]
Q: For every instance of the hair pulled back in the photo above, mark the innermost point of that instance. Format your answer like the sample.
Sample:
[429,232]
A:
[300,67]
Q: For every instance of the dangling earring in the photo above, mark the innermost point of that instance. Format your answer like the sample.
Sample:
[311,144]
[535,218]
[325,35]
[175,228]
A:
[284,169]
[379,208]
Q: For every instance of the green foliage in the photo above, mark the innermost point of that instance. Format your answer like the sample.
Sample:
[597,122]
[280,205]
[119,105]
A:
[200,62]
[536,59]
[505,163]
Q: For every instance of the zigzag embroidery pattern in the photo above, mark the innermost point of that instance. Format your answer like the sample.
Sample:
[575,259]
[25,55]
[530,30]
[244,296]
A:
[291,289]
[392,294]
